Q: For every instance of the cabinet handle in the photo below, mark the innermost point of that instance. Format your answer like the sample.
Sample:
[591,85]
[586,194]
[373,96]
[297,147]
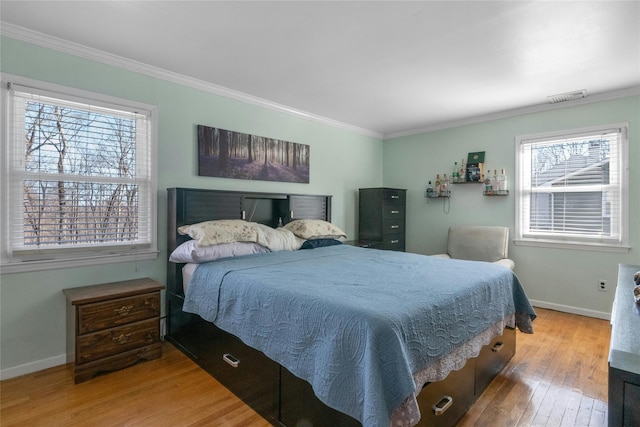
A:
[443,404]
[231,360]
[395,226]
[395,197]
[290,214]
[121,339]
[496,348]
[395,212]
[244,215]
[124,310]
[394,241]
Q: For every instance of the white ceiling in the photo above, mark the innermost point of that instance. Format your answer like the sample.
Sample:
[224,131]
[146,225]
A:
[385,67]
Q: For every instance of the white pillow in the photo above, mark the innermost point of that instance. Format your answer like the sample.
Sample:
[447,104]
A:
[221,231]
[314,229]
[190,252]
[278,239]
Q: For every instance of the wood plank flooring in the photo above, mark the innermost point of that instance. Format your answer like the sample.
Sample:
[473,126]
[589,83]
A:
[558,377]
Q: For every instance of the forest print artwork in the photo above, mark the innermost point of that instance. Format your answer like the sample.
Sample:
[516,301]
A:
[228,154]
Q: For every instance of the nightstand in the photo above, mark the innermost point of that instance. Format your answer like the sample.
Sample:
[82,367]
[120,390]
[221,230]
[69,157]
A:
[363,243]
[113,325]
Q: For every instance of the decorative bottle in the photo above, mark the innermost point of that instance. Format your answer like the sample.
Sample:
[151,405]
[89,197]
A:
[455,173]
[504,186]
[438,184]
[462,174]
[444,187]
[429,190]
[488,185]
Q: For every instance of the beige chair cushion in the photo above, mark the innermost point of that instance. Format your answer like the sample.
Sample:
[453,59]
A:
[479,243]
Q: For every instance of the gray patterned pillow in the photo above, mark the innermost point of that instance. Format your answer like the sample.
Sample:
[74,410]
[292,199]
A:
[314,229]
[221,231]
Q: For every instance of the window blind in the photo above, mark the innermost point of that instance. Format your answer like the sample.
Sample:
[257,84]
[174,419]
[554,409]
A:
[572,187]
[80,174]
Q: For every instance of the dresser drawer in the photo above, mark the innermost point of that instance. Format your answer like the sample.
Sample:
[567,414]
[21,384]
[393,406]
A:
[394,242]
[393,226]
[393,212]
[393,197]
[117,340]
[107,314]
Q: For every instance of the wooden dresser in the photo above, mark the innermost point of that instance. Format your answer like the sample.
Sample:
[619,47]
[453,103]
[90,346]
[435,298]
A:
[624,353]
[113,325]
[382,217]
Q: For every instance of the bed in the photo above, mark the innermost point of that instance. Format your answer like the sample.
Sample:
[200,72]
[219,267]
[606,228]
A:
[337,335]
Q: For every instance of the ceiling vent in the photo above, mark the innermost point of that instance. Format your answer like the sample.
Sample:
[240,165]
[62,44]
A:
[569,96]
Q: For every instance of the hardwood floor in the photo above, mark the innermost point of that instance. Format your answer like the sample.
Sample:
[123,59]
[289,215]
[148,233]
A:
[558,377]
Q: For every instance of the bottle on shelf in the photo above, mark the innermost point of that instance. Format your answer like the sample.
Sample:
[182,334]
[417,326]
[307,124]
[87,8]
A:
[488,184]
[462,174]
[444,187]
[455,173]
[438,184]
[504,188]
[429,190]
[494,181]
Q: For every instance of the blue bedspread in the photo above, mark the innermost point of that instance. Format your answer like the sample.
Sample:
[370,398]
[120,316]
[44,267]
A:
[355,323]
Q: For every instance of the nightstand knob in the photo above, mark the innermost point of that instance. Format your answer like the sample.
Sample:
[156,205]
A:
[122,338]
[124,310]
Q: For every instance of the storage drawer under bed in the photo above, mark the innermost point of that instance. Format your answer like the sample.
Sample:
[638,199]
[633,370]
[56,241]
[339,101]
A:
[493,358]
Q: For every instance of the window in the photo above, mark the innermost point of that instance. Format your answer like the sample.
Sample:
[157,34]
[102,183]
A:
[571,188]
[79,181]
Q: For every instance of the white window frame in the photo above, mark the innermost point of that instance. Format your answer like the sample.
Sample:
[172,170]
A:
[526,237]
[15,261]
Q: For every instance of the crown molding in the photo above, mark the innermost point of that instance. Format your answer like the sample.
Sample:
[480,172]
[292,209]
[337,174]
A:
[598,97]
[65,46]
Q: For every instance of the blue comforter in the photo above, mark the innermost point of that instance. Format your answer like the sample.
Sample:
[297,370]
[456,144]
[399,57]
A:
[355,323]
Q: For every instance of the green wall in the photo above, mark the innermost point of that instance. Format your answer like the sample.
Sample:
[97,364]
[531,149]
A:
[555,278]
[32,305]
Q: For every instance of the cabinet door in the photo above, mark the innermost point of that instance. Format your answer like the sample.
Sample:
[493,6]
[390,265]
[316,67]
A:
[309,207]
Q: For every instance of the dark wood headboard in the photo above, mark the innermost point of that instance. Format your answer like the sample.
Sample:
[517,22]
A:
[190,206]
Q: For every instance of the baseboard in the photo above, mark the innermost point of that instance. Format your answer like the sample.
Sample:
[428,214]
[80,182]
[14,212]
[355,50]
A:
[28,368]
[571,309]
[39,365]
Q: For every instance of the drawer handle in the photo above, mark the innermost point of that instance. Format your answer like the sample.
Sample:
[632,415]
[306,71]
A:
[394,241]
[395,212]
[124,310]
[442,405]
[395,226]
[122,338]
[496,348]
[231,360]
[395,197]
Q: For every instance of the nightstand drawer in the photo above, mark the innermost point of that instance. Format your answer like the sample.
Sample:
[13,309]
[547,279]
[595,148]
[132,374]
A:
[117,340]
[103,315]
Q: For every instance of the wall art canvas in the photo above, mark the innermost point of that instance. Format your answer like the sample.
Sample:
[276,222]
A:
[228,154]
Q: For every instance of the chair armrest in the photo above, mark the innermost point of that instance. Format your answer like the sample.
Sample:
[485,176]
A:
[506,262]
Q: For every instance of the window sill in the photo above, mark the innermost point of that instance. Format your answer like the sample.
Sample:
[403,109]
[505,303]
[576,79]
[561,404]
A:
[52,264]
[572,245]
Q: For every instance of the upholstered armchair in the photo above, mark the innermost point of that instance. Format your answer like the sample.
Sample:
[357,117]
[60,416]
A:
[479,243]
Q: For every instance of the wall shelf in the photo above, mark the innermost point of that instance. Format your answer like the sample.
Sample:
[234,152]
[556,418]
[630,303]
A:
[496,194]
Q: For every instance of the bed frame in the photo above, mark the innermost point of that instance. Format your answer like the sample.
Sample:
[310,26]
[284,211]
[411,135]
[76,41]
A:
[280,397]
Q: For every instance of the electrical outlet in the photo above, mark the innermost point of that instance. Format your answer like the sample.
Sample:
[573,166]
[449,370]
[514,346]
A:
[602,285]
